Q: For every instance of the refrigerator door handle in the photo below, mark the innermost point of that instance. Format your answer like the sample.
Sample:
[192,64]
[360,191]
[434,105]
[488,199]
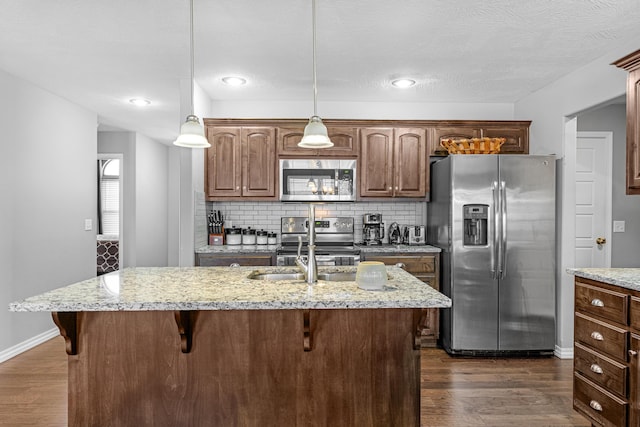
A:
[503,230]
[495,234]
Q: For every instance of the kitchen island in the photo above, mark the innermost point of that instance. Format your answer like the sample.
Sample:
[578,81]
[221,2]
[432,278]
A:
[210,346]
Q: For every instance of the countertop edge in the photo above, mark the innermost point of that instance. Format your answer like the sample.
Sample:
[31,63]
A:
[628,278]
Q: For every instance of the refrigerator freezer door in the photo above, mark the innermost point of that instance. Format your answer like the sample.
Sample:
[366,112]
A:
[474,315]
[527,287]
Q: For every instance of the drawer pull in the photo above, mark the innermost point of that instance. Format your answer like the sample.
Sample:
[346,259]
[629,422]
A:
[597,303]
[595,368]
[597,336]
[595,405]
[632,353]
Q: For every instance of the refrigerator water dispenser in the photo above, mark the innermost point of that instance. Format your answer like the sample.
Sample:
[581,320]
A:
[475,224]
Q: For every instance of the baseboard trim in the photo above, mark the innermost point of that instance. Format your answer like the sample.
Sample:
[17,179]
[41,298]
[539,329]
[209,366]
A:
[28,344]
[563,353]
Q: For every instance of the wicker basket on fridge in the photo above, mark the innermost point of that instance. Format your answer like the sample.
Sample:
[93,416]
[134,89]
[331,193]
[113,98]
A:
[473,145]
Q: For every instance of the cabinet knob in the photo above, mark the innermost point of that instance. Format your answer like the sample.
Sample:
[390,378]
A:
[601,240]
[596,368]
[396,188]
[597,336]
[597,303]
[390,188]
[400,265]
[632,353]
[595,405]
[237,188]
[234,264]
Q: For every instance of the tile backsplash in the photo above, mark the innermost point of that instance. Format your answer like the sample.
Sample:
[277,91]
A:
[267,215]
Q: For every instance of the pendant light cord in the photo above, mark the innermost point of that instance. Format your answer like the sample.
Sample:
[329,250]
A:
[192,55]
[315,87]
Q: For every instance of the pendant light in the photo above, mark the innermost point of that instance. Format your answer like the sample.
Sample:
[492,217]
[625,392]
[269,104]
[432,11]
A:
[191,132]
[315,133]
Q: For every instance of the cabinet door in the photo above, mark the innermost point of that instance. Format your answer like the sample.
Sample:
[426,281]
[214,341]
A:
[376,162]
[517,138]
[224,165]
[634,381]
[258,162]
[410,160]
[633,133]
[288,139]
[440,133]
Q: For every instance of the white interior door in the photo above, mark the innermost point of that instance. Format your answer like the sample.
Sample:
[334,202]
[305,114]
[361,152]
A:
[593,199]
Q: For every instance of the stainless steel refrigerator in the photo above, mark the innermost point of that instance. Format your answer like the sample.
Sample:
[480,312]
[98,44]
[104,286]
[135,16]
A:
[493,216]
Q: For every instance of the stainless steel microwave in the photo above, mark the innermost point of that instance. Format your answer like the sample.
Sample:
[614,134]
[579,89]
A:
[315,180]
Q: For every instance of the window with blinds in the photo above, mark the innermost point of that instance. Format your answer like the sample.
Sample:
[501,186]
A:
[110,197]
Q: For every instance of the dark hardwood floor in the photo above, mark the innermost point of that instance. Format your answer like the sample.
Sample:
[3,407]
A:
[455,391]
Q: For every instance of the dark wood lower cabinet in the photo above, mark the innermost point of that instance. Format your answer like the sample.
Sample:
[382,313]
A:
[607,343]
[245,368]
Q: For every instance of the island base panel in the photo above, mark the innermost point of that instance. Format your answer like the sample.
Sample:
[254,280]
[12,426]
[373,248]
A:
[246,368]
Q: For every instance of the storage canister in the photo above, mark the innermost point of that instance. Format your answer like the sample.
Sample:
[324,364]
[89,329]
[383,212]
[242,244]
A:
[234,236]
[261,237]
[248,236]
[272,238]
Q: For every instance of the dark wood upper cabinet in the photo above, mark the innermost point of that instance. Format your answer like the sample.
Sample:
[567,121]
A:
[515,132]
[344,138]
[631,63]
[393,162]
[241,163]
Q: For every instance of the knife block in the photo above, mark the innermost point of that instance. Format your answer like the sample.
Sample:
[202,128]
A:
[216,239]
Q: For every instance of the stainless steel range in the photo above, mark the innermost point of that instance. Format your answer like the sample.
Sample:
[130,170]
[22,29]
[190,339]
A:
[334,240]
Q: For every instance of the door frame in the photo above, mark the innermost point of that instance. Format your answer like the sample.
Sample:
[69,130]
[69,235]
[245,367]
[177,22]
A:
[607,138]
[120,156]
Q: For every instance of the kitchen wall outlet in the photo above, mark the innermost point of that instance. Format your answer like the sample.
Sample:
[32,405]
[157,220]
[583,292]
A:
[618,226]
[88,224]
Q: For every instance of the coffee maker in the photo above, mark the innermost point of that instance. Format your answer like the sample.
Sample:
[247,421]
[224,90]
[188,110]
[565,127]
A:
[372,229]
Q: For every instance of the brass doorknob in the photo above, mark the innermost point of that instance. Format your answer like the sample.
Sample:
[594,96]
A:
[601,240]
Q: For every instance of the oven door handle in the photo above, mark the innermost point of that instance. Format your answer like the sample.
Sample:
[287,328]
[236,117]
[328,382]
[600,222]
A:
[326,260]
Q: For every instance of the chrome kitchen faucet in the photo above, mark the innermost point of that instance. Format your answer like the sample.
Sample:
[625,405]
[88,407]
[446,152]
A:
[310,268]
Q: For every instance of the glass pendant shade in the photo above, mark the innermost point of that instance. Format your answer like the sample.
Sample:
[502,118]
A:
[315,135]
[192,134]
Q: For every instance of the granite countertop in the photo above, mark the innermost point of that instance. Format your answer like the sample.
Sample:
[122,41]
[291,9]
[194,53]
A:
[228,288]
[388,248]
[625,277]
[250,249]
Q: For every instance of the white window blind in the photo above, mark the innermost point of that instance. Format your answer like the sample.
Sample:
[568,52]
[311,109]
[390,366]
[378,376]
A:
[110,192]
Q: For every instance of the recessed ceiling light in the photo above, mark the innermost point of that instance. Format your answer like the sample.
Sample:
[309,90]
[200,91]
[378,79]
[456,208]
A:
[403,83]
[140,102]
[234,81]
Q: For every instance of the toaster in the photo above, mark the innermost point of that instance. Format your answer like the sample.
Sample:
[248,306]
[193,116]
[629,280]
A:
[417,235]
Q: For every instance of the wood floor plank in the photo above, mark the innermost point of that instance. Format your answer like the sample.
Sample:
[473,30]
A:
[460,392]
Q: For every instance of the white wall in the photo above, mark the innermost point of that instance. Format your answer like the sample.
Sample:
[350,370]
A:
[364,110]
[625,247]
[145,174]
[549,108]
[48,189]
[151,202]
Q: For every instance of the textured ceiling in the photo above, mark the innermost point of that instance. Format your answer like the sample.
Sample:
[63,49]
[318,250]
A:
[100,53]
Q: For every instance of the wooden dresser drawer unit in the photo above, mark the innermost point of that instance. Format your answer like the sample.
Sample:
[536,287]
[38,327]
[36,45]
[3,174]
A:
[601,370]
[601,303]
[603,407]
[605,338]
